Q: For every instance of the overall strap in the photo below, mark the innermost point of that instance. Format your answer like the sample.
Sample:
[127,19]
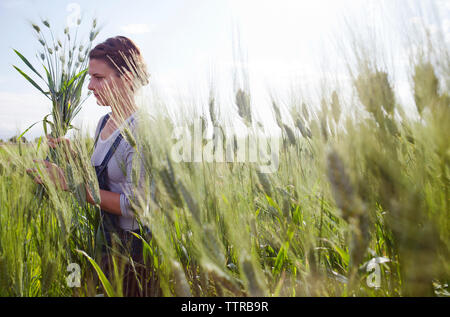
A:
[111,151]
[102,125]
[114,146]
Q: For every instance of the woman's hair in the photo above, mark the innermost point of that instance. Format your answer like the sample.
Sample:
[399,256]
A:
[122,55]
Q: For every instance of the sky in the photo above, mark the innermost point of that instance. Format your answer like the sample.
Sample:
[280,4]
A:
[285,45]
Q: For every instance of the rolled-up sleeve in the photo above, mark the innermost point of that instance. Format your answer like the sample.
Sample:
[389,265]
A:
[130,192]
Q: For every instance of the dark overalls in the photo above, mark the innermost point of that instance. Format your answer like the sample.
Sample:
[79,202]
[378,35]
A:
[127,244]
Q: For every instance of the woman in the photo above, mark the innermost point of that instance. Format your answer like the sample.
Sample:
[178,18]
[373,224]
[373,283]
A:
[116,70]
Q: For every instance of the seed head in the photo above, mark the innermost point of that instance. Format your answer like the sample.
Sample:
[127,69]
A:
[290,134]
[129,138]
[170,187]
[324,106]
[181,286]
[425,85]
[50,51]
[265,183]
[93,35]
[341,186]
[212,111]
[324,127]
[190,202]
[42,42]
[46,23]
[335,107]
[37,28]
[243,103]
[305,133]
[276,109]
[254,284]
[305,111]
[375,93]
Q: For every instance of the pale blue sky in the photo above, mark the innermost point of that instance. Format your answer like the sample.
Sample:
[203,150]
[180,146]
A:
[286,43]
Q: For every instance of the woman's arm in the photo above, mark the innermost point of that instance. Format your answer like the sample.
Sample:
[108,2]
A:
[120,203]
[109,201]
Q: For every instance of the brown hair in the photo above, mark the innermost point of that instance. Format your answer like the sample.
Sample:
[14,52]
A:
[121,54]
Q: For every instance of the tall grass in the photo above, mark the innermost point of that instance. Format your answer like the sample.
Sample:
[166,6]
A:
[357,198]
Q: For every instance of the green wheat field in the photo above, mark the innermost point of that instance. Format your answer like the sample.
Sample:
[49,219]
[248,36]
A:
[359,204]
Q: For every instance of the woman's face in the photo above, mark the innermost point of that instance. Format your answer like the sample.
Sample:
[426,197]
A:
[105,83]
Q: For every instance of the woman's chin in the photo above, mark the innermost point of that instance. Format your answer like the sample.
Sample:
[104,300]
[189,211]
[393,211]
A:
[101,103]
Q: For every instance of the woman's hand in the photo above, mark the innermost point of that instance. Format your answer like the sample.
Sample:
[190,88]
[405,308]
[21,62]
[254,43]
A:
[54,142]
[109,201]
[55,173]
[89,197]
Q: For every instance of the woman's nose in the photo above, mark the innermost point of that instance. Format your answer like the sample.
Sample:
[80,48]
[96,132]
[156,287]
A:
[92,84]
